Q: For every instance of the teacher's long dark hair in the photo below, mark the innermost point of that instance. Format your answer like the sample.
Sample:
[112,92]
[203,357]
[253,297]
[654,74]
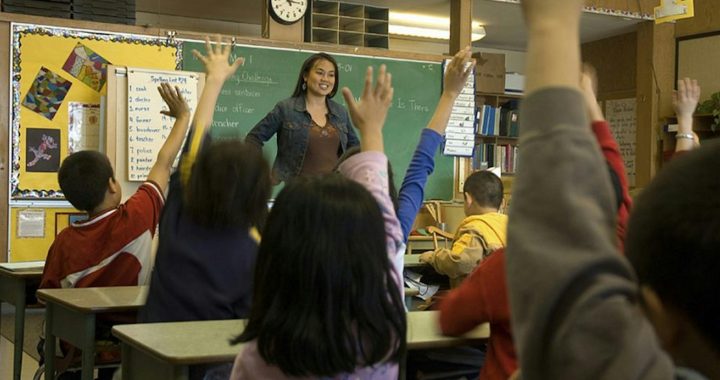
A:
[325,299]
[307,65]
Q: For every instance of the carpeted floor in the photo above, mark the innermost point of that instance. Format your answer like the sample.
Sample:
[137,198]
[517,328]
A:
[33,327]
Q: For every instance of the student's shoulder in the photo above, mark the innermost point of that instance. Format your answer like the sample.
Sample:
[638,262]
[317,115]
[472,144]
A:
[149,189]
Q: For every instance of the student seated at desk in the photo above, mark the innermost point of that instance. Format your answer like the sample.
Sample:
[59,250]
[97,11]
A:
[208,230]
[327,301]
[586,312]
[482,231]
[483,298]
[113,247]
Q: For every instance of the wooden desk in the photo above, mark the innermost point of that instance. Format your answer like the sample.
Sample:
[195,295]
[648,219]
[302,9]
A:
[70,315]
[167,350]
[413,261]
[423,332]
[13,285]
[424,243]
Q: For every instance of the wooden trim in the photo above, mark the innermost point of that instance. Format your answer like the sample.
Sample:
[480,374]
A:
[460,24]
[4,138]
[242,40]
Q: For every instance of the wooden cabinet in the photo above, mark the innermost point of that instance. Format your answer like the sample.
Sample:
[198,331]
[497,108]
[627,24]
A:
[334,22]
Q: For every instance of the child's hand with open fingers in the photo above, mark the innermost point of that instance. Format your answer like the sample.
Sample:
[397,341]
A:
[457,72]
[216,60]
[369,113]
[177,106]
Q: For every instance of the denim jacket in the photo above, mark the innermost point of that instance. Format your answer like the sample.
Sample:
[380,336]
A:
[291,121]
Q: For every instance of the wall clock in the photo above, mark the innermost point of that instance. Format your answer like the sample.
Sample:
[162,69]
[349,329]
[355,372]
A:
[288,11]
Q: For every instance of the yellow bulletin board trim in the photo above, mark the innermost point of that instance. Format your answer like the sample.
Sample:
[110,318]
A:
[39,52]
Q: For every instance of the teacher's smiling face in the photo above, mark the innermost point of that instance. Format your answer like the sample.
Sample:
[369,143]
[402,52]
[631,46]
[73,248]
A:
[320,79]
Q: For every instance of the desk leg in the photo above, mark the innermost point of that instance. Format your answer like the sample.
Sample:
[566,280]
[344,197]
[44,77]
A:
[88,348]
[50,342]
[19,332]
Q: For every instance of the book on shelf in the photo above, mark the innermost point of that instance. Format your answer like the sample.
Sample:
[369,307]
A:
[498,121]
[504,156]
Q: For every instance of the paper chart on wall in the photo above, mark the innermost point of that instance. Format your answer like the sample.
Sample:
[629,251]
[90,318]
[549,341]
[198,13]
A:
[622,118]
[147,127]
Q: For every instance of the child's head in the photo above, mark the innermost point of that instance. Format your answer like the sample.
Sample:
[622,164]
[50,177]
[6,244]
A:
[86,179]
[673,241]
[229,186]
[325,296]
[483,192]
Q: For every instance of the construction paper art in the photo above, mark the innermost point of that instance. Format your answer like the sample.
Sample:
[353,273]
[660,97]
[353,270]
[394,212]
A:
[43,150]
[46,93]
[87,66]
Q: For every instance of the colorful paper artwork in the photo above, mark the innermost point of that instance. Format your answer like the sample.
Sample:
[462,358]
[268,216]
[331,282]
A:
[87,66]
[43,150]
[47,93]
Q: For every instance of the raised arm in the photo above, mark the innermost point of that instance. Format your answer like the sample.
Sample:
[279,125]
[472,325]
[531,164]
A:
[177,108]
[610,150]
[369,167]
[578,314]
[217,70]
[412,193]
[685,100]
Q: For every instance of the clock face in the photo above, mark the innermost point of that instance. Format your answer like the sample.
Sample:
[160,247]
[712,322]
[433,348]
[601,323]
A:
[288,11]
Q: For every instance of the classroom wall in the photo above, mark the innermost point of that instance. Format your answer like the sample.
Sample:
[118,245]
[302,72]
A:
[197,24]
[707,19]
[514,60]
[617,72]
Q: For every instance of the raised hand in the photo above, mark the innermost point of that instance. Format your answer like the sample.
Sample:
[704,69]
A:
[369,113]
[686,97]
[216,60]
[177,106]
[457,72]
[588,87]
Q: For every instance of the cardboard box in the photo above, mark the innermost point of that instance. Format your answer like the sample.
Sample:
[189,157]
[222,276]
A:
[490,72]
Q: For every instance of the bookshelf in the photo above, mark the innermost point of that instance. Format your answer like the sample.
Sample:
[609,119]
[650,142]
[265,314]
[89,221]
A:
[334,22]
[496,144]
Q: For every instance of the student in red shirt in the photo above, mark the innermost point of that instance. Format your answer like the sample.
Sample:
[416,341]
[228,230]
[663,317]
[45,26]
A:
[483,296]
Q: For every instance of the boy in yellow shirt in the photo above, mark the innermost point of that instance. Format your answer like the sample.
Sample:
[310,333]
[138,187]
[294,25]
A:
[482,231]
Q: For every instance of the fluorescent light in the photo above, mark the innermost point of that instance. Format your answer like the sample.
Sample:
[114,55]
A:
[417,25]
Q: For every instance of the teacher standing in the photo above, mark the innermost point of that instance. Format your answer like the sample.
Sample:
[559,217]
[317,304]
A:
[312,130]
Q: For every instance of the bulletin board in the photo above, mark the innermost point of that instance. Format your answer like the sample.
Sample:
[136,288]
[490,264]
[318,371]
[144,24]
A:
[698,57]
[58,78]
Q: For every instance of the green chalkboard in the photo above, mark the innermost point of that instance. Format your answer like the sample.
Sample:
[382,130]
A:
[269,75]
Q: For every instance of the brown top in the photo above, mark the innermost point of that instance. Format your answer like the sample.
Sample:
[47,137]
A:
[321,155]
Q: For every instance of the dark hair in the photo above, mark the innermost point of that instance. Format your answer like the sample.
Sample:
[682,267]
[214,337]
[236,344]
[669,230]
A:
[485,188]
[392,190]
[308,65]
[83,178]
[229,186]
[673,238]
[325,297]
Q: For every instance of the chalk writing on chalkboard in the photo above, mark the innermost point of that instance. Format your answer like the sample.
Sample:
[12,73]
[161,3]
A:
[147,127]
[621,116]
